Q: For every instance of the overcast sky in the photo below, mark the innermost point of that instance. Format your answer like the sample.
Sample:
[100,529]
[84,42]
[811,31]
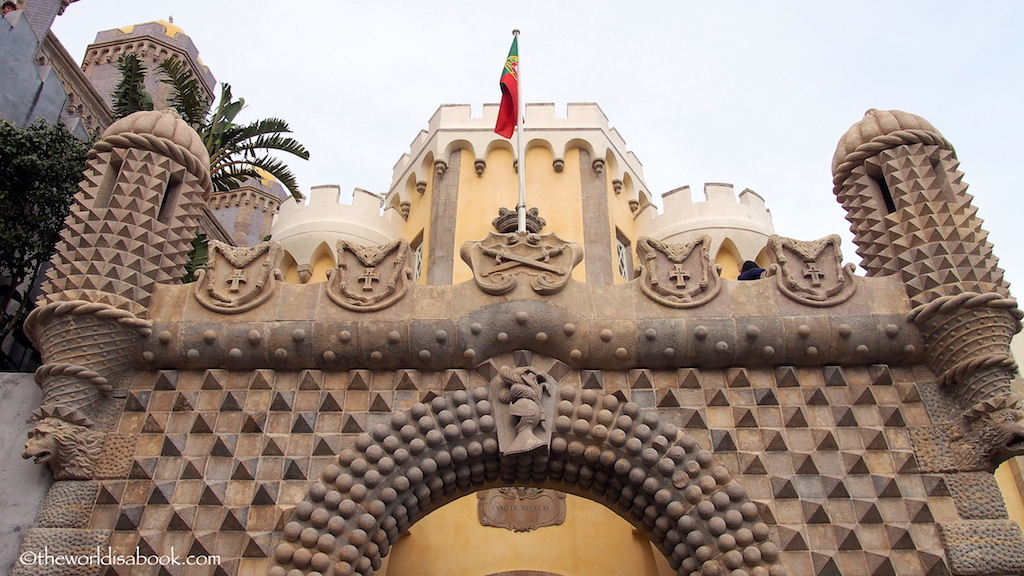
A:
[752,93]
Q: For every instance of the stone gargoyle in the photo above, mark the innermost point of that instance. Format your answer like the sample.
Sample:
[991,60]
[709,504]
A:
[69,448]
[993,433]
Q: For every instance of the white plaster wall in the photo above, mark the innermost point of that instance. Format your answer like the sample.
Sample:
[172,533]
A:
[22,483]
[744,219]
[302,228]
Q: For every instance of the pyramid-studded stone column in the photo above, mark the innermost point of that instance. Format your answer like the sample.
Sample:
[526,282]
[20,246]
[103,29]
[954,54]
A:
[910,213]
[129,229]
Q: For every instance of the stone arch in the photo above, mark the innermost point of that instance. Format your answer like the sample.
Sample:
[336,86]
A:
[460,144]
[601,448]
[728,257]
[578,143]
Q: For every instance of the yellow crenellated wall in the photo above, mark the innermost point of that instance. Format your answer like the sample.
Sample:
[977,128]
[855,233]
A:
[555,194]
[451,541]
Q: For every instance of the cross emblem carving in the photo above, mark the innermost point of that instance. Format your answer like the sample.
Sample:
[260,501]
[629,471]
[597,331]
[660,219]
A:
[813,273]
[679,275]
[237,278]
[368,278]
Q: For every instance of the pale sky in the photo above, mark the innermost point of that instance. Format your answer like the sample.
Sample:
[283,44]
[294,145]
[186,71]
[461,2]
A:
[756,94]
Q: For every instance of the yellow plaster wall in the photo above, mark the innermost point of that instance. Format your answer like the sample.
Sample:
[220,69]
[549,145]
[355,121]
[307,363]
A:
[593,541]
[555,194]
[1006,476]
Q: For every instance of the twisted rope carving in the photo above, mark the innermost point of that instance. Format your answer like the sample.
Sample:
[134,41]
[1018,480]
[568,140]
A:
[83,307]
[885,142]
[944,304]
[156,144]
[82,373]
[950,376]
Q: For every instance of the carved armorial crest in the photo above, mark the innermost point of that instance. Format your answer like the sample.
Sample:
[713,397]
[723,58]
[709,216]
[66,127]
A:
[677,275]
[500,259]
[525,411]
[370,278]
[238,279]
[811,272]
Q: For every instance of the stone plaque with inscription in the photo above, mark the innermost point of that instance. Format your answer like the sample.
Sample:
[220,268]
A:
[521,509]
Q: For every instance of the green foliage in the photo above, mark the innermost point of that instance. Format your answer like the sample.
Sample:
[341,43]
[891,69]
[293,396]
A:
[236,151]
[130,94]
[186,95]
[239,151]
[197,258]
[40,167]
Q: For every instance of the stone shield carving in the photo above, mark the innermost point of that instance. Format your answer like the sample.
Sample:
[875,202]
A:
[525,411]
[500,259]
[677,275]
[520,509]
[370,278]
[238,279]
[811,272]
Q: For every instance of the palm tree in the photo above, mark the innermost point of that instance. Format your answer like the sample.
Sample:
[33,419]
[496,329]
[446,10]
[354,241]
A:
[237,151]
[130,93]
[240,151]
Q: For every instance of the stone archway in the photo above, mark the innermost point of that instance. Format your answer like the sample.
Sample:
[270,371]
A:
[609,451]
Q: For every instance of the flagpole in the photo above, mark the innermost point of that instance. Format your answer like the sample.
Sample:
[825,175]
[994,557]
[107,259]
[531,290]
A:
[520,122]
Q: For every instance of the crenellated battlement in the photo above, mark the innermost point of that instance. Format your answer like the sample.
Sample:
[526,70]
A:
[744,218]
[453,127]
[327,218]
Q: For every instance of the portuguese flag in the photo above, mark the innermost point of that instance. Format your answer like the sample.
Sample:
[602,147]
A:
[508,113]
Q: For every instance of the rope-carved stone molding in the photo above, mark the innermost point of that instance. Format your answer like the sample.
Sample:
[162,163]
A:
[921,314]
[951,305]
[641,466]
[885,142]
[74,378]
[153,143]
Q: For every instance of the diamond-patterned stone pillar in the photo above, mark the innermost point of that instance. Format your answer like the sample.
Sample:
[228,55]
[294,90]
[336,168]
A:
[910,213]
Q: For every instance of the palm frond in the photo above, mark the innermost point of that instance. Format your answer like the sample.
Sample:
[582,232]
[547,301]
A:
[186,95]
[130,93]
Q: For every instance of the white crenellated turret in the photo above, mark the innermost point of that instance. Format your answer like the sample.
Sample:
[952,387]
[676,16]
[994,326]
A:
[744,222]
[304,229]
[452,127]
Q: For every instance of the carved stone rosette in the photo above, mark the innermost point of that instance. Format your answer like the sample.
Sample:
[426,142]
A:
[238,279]
[500,259]
[677,275]
[370,278]
[811,272]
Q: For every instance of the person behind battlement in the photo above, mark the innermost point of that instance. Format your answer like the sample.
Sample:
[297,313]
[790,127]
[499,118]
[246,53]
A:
[7,8]
[750,271]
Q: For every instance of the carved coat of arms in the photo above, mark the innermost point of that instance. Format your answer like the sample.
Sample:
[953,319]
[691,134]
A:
[238,278]
[811,272]
[498,260]
[370,278]
[677,275]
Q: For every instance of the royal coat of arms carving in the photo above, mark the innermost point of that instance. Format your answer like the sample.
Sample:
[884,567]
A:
[370,278]
[500,259]
[238,278]
[677,275]
[811,272]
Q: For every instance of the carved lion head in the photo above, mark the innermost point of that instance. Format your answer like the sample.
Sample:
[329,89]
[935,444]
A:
[68,449]
[992,438]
